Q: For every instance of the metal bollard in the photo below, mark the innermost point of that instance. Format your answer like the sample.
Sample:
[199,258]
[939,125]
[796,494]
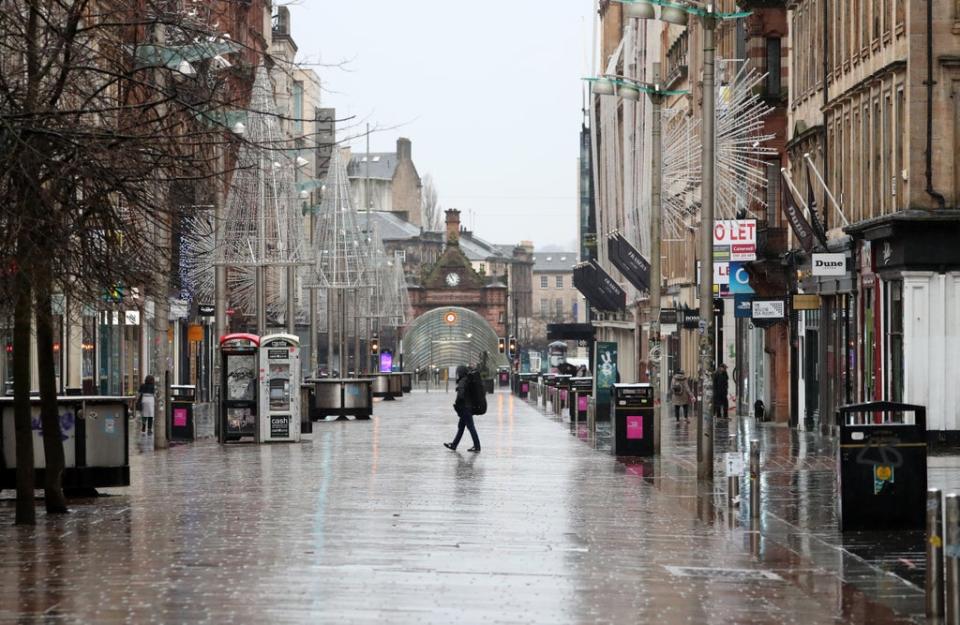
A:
[755,479]
[733,485]
[934,585]
[951,551]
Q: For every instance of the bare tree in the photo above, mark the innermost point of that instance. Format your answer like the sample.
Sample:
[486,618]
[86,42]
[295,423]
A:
[105,106]
[431,209]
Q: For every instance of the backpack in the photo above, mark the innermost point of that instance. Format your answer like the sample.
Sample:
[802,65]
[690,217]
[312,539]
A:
[478,394]
[677,388]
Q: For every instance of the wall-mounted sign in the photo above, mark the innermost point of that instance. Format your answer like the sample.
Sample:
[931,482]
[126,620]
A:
[769,309]
[629,262]
[739,235]
[668,316]
[806,301]
[829,265]
[743,306]
[206,310]
[739,279]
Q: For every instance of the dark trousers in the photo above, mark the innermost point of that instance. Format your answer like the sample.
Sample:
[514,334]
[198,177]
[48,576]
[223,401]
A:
[721,405]
[466,421]
[676,410]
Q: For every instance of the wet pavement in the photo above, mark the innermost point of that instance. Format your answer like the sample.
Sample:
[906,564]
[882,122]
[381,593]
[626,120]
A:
[375,522]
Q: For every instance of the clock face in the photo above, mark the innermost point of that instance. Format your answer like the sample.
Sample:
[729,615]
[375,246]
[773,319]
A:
[453,279]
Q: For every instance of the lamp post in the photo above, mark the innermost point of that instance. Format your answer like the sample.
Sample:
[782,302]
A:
[678,12]
[630,90]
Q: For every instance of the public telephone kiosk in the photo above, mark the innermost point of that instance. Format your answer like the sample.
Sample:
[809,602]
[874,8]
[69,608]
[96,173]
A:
[239,384]
[279,388]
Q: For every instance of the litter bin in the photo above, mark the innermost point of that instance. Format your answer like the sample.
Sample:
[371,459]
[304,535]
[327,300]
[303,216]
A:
[581,389]
[503,376]
[306,405]
[631,413]
[182,399]
[523,384]
[882,461]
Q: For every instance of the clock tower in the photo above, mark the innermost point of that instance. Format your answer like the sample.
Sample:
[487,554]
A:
[452,281]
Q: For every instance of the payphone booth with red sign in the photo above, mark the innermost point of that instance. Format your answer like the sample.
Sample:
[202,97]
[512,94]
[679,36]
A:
[239,385]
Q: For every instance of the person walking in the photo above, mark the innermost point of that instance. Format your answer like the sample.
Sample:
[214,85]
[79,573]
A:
[681,395]
[147,404]
[721,387]
[464,407]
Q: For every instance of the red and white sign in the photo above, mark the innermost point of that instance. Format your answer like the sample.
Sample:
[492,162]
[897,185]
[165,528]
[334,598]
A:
[740,235]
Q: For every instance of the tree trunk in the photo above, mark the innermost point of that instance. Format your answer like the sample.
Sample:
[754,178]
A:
[26,511]
[49,411]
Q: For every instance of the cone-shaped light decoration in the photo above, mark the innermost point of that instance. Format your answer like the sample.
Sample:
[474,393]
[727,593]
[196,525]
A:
[603,86]
[629,92]
[639,10]
[674,15]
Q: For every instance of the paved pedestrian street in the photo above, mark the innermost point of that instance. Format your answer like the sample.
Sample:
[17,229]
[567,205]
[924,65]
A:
[375,522]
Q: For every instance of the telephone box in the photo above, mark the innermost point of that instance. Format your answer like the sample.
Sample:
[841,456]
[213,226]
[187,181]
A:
[239,386]
[279,388]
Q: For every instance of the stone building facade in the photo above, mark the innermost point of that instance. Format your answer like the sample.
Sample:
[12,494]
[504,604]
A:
[452,281]
[387,181]
[555,299]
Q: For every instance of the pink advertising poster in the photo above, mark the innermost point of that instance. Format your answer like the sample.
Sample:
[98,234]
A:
[582,403]
[179,417]
[634,427]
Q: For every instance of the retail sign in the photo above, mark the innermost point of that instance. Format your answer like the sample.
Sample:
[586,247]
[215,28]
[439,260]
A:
[629,261]
[806,301]
[738,235]
[740,279]
[668,316]
[829,265]
[206,310]
[742,306]
[769,309]
[721,273]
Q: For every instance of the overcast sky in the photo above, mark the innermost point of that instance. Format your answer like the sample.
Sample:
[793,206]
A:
[488,92]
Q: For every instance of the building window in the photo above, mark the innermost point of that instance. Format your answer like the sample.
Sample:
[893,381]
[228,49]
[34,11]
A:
[559,282]
[544,306]
[483,268]
[500,317]
[400,255]
[558,307]
[543,282]
[773,194]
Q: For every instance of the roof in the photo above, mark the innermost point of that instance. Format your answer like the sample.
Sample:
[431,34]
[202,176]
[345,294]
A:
[390,226]
[557,262]
[476,249]
[382,165]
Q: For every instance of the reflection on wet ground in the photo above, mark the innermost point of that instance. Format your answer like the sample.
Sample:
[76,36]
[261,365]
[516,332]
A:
[373,522]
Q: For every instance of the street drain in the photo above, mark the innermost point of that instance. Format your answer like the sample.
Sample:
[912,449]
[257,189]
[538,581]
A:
[729,575]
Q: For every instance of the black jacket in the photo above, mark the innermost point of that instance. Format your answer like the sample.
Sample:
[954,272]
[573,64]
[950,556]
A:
[463,401]
[721,383]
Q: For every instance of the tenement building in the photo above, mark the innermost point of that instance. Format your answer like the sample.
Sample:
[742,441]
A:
[875,103]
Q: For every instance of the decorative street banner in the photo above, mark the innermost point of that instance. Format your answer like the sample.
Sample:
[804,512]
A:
[812,207]
[606,364]
[629,261]
[605,359]
[794,215]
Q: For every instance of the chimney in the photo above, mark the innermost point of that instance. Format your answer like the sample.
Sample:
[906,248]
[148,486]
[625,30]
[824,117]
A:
[453,226]
[404,150]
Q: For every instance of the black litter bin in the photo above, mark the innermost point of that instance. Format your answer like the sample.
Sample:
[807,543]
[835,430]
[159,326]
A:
[883,466]
[580,391]
[631,412]
[523,384]
[182,399]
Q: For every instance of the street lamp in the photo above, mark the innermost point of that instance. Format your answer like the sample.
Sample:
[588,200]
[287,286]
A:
[678,12]
[630,89]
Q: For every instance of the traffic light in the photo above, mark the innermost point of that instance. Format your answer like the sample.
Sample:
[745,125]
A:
[374,346]
[513,346]
[502,345]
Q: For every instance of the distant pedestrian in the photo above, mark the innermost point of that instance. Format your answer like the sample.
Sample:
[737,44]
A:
[583,372]
[721,389]
[681,395]
[465,410]
[147,404]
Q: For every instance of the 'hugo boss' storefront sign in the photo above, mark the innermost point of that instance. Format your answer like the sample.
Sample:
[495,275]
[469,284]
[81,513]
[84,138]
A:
[829,265]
